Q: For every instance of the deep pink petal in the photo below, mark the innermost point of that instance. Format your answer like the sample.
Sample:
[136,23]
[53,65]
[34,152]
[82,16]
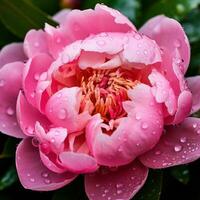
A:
[33,174]
[10,85]
[193,84]
[35,42]
[122,183]
[170,36]
[78,162]
[28,116]
[179,145]
[135,134]
[11,53]
[62,109]
[35,68]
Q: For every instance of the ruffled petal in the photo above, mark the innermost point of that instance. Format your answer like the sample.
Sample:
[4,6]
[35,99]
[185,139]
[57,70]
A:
[33,174]
[60,16]
[35,69]
[10,85]
[121,183]
[28,116]
[35,42]
[62,109]
[193,84]
[135,134]
[179,145]
[12,53]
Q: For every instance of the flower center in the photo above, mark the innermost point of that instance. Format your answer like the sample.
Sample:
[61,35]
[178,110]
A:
[103,91]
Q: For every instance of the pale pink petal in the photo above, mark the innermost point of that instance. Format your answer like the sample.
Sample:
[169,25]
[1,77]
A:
[135,134]
[33,174]
[162,91]
[60,16]
[11,53]
[121,183]
[78,162]
[179,145]
[28,116]
[10,85]
[35,42]
[35,68]
[170,36]
[62,109]
[193,84]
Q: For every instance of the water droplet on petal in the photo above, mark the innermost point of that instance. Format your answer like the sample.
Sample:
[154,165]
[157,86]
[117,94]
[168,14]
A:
[62,114]
[119,191]
[32,180]
[198,131]
[30,130]
[106,190]
[119,185]
[157,152]
[178,148]
[45,148]
[145,52]
[144,125]
[103,34]
[183,139]
[52,140]
[44,174]
[137,116]
[137,36]
[28,174]
[2,83]
[47,181]
[35,142]
[3,125]
[10,111]
[36,44]
[194,125]
[101,42]
[177,43]
[97,185]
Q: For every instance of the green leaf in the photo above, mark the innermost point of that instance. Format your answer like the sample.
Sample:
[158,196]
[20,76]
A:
[131,9]
[8,178]
[152,188]
[177,9]
[20,16]
[9,148]
[181,173]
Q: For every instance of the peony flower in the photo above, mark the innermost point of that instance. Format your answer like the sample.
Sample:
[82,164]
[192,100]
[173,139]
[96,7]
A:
[94,96]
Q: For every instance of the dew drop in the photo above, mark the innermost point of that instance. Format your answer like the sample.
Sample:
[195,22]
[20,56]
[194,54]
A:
[32,180]
[3,125]
[106,190]
[101,42]
[194,125]
[178,148]
[119,185]
[145,52]
[47,181]
[62,114]
[97,185]
[44,174]
[157,152]
[103,34]
[137,36]
[2,83]
[119,191]
[36,44]
[52,140]
[10,111]
[35,142]
[30,130]
[144,125]
[177,43]
[198,131]
[183,139]
[137,116]
[28,174]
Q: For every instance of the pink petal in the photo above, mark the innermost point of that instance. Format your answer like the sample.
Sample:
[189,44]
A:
[62,109]
[78,162]
[28,116]
[170,36]
[35,42]
[135,134]
[179,145]
[11,53]
[33,174]
[10,85]
[35,67]
[193,84]
[60,16]
[122,183]
[78,25]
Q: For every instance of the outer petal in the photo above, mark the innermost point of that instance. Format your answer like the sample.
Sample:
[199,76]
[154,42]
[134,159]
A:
[80,24]
[11,53]
[169,35]
[35,67]
[122,183]
[135,134]
[193,84]
[78,162]
[28,116]
[62,109]
[179,145]
[33,174]
[10,85]
[35,42]
[60,17]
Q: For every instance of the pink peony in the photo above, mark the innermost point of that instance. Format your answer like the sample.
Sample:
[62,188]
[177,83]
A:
[95,96]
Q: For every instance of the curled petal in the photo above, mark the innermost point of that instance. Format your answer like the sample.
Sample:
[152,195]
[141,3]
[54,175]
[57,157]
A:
[179,145]
[193,84]
[60,16]
[10,85]
[62,109]
[33,174]
[121,183]
[12,53]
